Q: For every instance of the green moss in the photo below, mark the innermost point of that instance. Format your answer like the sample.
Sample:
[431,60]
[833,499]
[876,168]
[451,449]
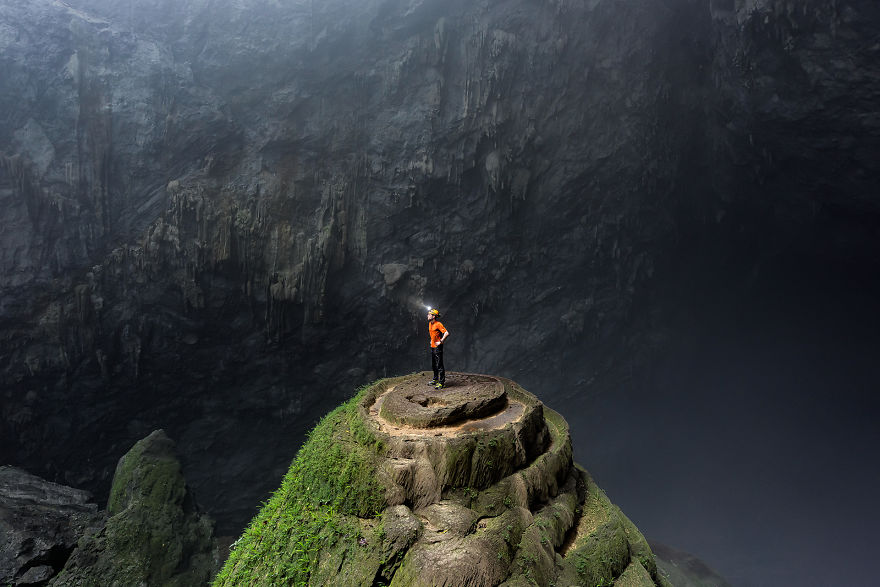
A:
[493,500]
[557,518]
[637,544]
[316,513]
[635,575]
[602,556]
[152,477]
[544,524]
[601,550]
[453,464]
[535,560]
[494,457]
[153,534]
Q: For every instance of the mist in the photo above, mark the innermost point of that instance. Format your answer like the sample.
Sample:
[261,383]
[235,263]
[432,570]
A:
[749,438]
[221,218]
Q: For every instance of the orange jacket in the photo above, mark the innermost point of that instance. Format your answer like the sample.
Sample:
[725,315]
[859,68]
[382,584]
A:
[436,330]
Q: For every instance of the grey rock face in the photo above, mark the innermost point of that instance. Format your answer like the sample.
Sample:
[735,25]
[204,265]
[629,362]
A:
[216,215]
[40,523]
[794,82]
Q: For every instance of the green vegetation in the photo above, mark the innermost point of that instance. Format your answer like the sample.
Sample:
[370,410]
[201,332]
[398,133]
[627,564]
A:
[152,536]
[601,551]
[319,510]
[494,521]
[147,476]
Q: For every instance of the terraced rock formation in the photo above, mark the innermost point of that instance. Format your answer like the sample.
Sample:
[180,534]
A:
[472,485]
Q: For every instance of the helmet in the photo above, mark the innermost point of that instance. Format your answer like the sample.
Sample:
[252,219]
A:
[434,312]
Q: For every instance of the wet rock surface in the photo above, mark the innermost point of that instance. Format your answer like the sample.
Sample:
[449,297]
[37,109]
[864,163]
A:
[502,503]
[40,524]
[474,450]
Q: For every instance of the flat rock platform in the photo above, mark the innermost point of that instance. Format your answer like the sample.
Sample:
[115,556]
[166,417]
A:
[470,403]
[416,404]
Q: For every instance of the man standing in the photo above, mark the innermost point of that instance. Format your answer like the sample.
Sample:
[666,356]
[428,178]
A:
[438,334]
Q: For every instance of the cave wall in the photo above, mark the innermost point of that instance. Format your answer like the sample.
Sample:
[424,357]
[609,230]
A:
[220,218]
[793,133]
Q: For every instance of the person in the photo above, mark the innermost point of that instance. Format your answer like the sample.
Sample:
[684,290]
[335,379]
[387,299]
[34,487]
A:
[438,334]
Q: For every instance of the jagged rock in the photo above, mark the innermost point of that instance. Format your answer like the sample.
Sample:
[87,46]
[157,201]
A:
[493,500]
[154,534]
[40,523]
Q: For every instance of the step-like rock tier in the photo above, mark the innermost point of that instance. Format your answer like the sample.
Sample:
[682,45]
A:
[473,486]
[472,434]
[482,483]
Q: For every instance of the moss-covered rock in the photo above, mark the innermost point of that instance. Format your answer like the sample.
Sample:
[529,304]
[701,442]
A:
[154,534]
[320,526]
[492,499]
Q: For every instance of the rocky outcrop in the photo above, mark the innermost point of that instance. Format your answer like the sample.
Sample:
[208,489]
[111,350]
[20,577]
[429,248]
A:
[484,499]
[216,214]
[154,534]
[40,524]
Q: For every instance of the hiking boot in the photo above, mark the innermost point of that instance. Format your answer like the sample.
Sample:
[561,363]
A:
[439,386]
[433,382]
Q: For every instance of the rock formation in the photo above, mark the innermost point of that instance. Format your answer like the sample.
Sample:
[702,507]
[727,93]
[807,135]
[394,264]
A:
[199,198]
[472,485]
[40,524]
[154,534]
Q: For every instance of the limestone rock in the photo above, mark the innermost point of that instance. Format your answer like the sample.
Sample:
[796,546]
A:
[492,498]
[238,172]
[422,407]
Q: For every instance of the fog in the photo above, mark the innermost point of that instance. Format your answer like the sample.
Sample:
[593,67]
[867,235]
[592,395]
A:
[751,440]
[221,218]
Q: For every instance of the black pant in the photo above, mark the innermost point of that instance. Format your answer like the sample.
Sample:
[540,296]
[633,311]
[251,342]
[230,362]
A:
[437,364]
